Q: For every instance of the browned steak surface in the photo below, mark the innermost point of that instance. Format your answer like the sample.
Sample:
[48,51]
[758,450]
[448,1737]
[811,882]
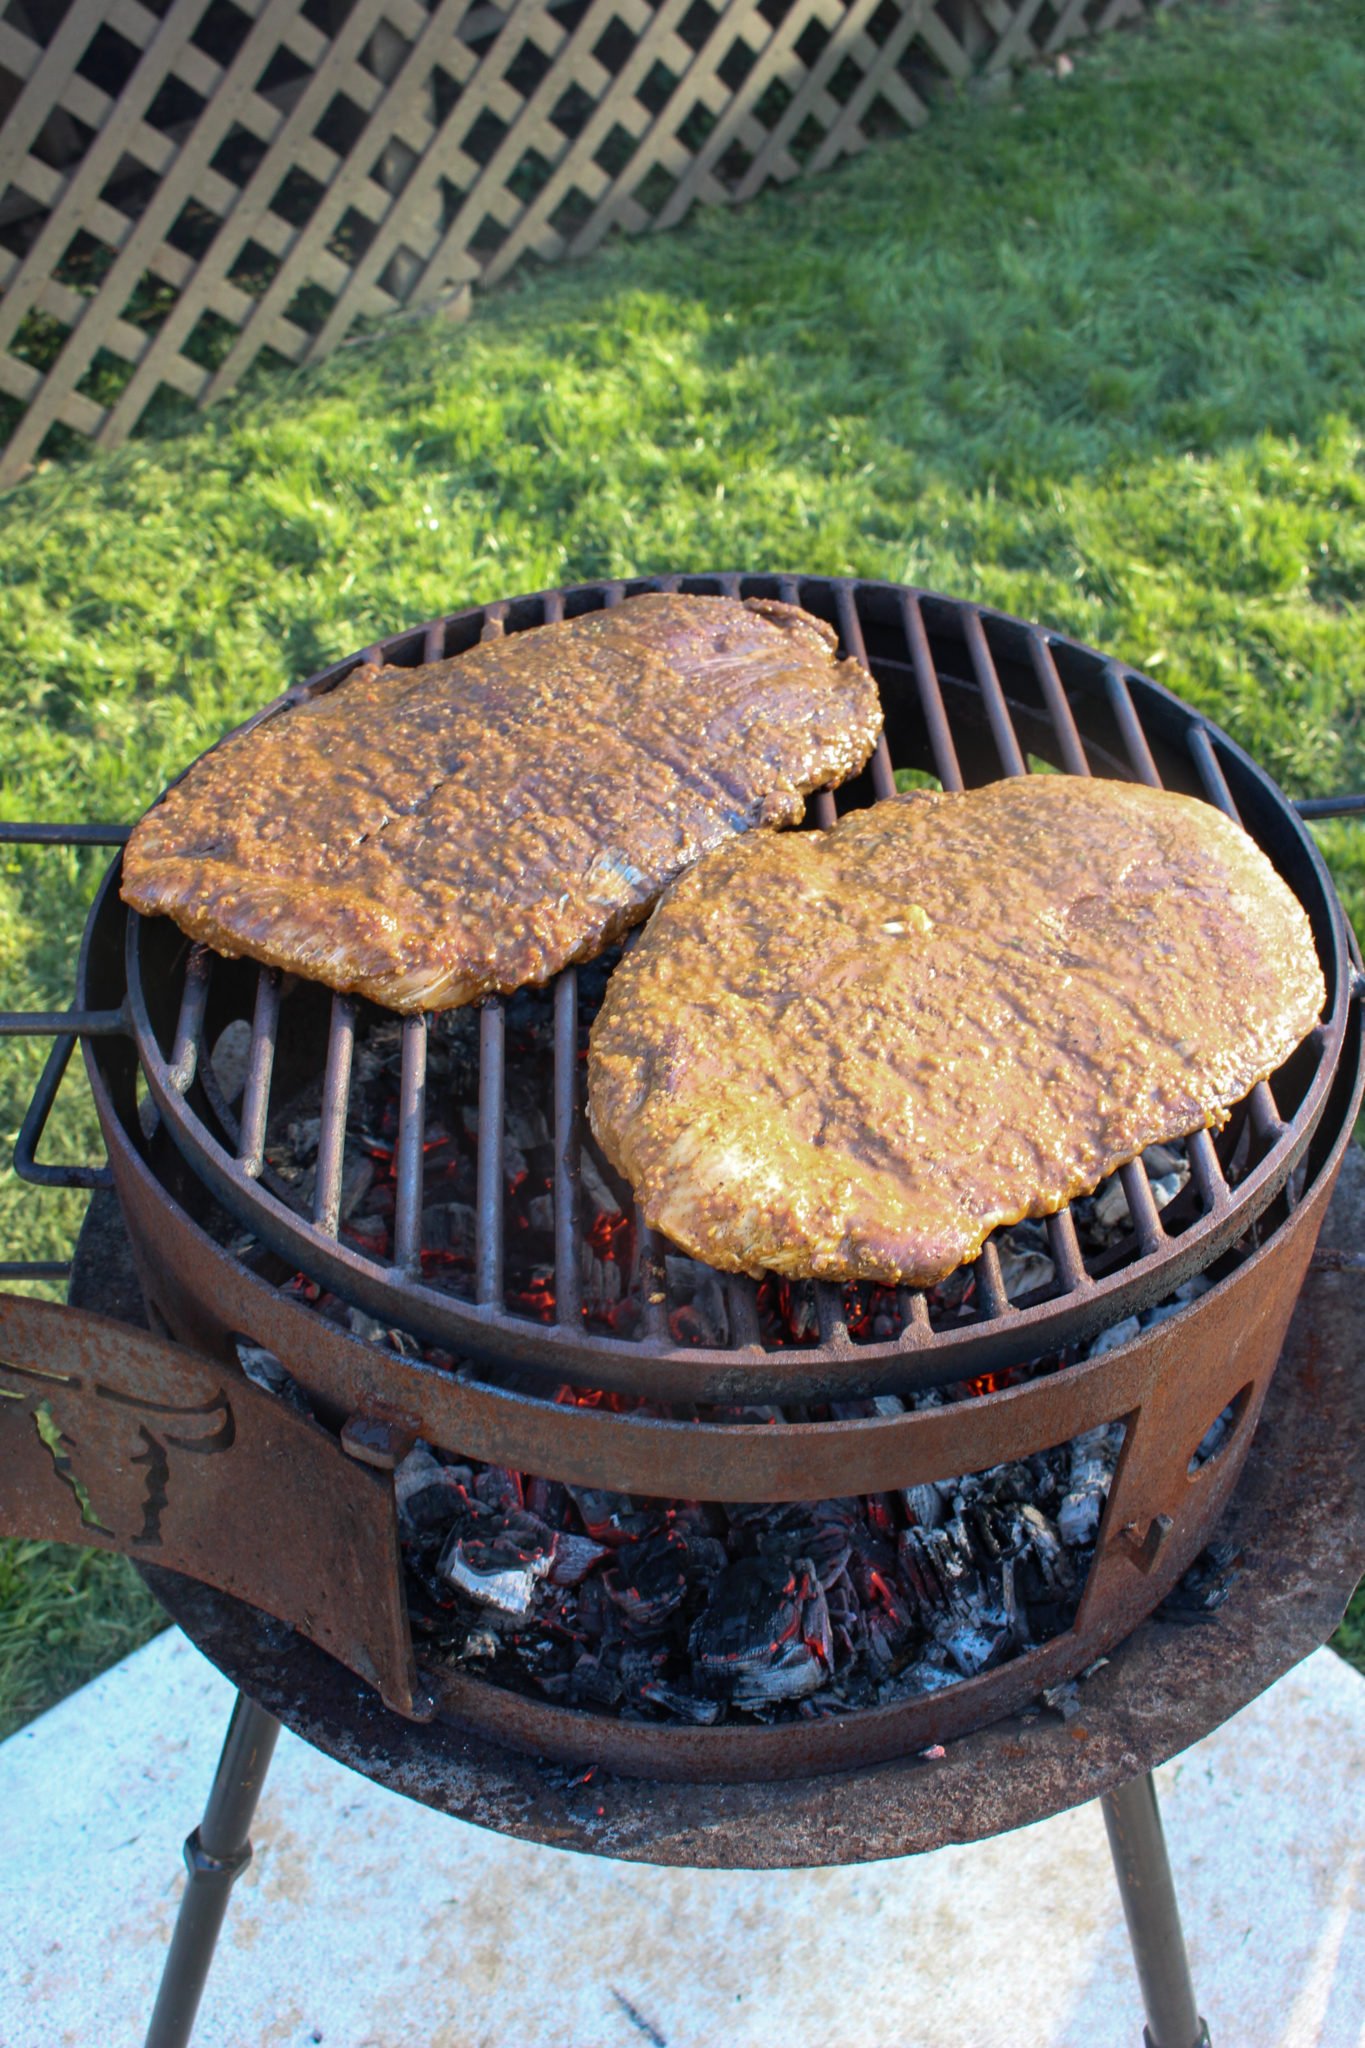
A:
[425,836]
[854,1054]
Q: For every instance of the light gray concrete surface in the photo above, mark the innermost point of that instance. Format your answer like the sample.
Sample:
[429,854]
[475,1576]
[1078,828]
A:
[368,1922]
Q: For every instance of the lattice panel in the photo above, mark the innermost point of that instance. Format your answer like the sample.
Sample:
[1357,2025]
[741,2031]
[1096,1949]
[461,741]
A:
[188,184]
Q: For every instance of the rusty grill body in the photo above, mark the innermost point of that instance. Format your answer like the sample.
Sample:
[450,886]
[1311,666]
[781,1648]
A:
[968,696]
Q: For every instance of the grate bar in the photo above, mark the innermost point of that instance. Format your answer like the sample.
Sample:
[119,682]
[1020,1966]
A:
[1130,726]
[851,633]
[336,1091]
[184,1062]
[1211,773]
[830,1313]
[991,1296]
[64,835]
[742,1298]
[567,1181]
[260,1065]
[434,646]
[993,697]
[1058,708]
[1207,1170]
[412,1131]
[946,763]
[1266,1120]
[554,608]
[652,1278]
[916,1327]
[488,1216]
[1066,1251]
[1137,1189]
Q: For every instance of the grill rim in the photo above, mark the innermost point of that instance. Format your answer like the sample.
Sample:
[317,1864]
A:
[651,1365]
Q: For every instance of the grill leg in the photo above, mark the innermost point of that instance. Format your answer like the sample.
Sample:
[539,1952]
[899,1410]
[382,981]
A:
[1138,1847]
[216,1854]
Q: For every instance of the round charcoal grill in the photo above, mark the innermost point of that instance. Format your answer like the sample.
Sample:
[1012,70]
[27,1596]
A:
[968,695]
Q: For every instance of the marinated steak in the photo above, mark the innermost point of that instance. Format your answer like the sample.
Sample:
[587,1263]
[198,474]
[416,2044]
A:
[853,1054]
[425,836]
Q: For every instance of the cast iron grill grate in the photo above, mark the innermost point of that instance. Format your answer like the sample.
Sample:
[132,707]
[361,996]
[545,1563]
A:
[969,695]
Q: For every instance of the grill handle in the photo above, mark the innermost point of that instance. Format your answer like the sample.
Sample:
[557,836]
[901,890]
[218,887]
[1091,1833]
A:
[63,1027]
[1310,807]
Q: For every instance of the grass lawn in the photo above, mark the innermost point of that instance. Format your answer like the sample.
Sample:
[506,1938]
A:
[1092,349]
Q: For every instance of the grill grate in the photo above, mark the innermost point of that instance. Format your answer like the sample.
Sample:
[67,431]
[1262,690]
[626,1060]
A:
[969,695]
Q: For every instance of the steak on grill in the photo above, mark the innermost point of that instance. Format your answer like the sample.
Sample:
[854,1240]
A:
[853,1054]
[425,836]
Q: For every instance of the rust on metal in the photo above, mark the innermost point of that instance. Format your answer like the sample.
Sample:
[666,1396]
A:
[1296,1525]
[113,1438]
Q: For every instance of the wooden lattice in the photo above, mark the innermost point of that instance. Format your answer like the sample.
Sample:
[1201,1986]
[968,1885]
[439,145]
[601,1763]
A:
[185,184]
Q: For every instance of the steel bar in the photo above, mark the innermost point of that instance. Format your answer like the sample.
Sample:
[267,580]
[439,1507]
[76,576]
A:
[336,1090]
[409,1155]
[35,1269]
[651,1277]
[1330,806]
[941,744]
[851,633]
[1142,1208]
[1007,746]
[1130,726]
[31,1130]
[1059,710]
[260,1065]
[1138,1846]
[567,1183]
[991,1297]
[1207,1169]
[1211,772]
[216,1854]
[489,1186]
[1066,1252]
[184,1062]
[64,835]
[57,1023]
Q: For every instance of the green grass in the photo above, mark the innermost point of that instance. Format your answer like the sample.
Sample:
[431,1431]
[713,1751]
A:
[1093,351]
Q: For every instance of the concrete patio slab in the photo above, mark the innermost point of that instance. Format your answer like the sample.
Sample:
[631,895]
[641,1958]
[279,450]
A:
[369,1922]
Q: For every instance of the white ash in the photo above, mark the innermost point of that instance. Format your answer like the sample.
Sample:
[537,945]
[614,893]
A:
[510,1587]
[1094,1455]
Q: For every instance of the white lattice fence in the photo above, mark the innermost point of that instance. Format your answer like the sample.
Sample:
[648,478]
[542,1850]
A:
[185,184]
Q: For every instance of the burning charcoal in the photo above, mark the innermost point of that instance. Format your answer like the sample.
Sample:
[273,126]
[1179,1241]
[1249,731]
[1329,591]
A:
[683,1706]
[1024,1266]
[973,1647]
[428,1493]
[265,1370]
[1165,1190]
[923,1504]
[1110,1340]
[480,1642]
[816,1632]
[595,1682]
[1044,1547]
[1205,1586]
[794,1673]
[613,1518]
[923,1676]
[498,1488]
[1188,1291]
[494,1574]
[1110,1209]
[650,1580]
[575,1557]
[450,1227]
[540,1213]
[698,1312]
[1093,1456]
[1161,1160]
[752,1610]
[1214,1437]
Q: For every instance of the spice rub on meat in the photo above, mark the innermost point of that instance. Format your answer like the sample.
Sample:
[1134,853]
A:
[853,1054]
[425,836]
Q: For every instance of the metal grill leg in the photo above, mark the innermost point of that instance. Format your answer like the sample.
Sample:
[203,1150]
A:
[216,1854]
[1138,1847]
